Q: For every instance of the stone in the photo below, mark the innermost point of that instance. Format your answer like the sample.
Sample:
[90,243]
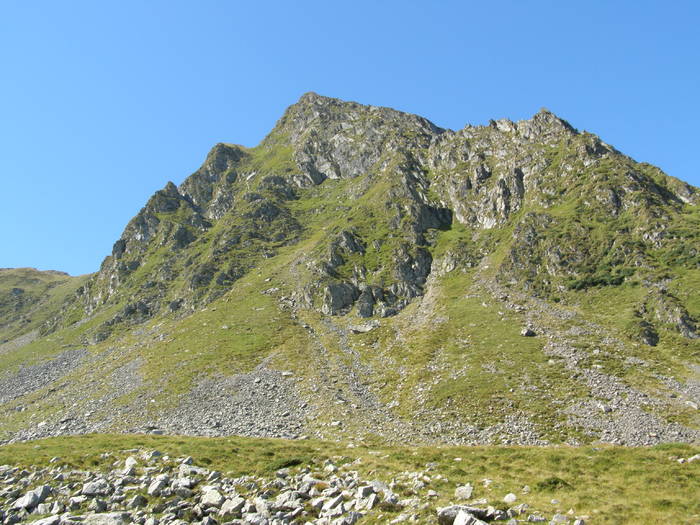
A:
[287,500]
[372,501]
[528,332]
[447,515]
[262,506]
[52,520]
[464,492]
[42,492]
[338,297]
[27,502]
[136,502]
[510,498]
[108,518]
[349,519]
[190,470]
[256,519]
[212,498]
[99,487]
[97,505]
[130,466]
[232,506]
[364,491]
[465,518]
[332,503]
[157,485]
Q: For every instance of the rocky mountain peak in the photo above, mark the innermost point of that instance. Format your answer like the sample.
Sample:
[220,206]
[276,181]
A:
[546,119]
[415,273]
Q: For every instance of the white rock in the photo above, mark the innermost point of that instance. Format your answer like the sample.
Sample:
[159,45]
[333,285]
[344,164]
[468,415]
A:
[212,498]
[510,498]
[108,518]
[464,492]
[232,506]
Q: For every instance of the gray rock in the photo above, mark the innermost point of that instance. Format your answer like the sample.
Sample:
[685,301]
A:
[465,518]
[99,487]
[232,506]
[212,498]
[349,519]
[52,520]
[332,503]
[510,498]
[108,518]
[255,519]
[464,492]
[338,297]
[97,505]
[157,485]
[27,502]
[136,502]
[447,515]
[130,466]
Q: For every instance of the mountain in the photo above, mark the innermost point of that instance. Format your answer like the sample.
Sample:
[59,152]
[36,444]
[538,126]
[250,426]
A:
[365,274]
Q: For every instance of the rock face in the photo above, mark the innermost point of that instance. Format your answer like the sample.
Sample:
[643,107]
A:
[480,177]
[390,265]
[238,206]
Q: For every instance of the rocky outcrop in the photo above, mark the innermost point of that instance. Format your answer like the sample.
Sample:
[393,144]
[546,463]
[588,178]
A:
[333,139]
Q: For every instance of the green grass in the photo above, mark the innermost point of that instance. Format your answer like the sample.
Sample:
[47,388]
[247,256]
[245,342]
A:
[611,485]
[486,369]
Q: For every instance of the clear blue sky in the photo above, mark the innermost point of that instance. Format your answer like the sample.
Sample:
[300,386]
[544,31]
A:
[101,103]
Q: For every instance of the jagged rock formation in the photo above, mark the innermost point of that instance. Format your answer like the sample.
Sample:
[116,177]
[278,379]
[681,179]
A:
[445,239]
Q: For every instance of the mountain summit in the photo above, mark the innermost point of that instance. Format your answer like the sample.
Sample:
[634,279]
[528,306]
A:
[365,273]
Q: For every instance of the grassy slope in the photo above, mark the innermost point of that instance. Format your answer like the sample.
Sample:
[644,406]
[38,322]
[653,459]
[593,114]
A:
[608,484]
[41,297]
[488,369]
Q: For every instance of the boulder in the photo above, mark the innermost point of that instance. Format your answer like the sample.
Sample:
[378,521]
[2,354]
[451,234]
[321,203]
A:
[212,498]
[447,515]
[465,518]
[26,502]
[99,487]
[108,518]
[232,506]
[464,492]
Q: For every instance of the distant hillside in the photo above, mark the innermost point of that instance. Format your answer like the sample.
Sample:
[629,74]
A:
[29,297]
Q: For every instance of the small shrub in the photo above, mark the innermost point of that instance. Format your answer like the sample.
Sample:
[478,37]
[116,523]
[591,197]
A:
[552,483]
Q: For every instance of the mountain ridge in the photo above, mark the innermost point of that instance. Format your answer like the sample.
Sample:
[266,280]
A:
[499,282]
